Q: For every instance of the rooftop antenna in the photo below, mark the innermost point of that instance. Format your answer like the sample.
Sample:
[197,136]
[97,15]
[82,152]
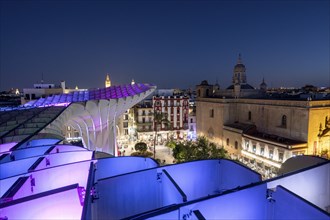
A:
[239,58]
[42,77]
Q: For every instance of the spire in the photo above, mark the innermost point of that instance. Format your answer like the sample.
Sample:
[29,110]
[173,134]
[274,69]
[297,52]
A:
[107,81]
[239,61]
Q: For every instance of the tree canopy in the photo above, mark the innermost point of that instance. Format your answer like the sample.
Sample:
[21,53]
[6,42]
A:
[142,154]
[141,146]
[141,150]
[199,150]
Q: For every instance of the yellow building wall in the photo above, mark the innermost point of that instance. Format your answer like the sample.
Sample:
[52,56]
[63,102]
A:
[211,127]
[317,118]
[267,116]
[303,119]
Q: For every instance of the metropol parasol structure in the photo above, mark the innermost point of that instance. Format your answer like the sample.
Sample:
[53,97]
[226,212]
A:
[93,113]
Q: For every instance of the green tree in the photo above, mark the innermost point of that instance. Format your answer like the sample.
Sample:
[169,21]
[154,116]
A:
[159,119]
[201,149]
[141,150]
[140,146]
[171,144]
[142,154]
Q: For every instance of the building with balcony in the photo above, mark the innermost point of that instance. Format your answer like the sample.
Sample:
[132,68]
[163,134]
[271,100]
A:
[192,133]
[144,117]
[174,119]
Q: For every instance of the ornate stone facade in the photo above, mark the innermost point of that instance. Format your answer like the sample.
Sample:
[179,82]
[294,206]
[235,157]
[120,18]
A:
[261,129]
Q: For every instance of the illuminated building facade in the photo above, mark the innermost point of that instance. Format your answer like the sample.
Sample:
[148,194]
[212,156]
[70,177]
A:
[144,117]
[262,132]
[175,111]
[192,133]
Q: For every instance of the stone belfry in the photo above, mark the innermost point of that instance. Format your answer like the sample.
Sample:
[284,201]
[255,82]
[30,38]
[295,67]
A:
[239,76]
[107,81]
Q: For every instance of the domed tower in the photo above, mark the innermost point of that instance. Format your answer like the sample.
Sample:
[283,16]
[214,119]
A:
[239,76]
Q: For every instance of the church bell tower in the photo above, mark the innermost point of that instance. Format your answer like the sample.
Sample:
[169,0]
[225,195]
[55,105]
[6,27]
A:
[107,81]
[239,76]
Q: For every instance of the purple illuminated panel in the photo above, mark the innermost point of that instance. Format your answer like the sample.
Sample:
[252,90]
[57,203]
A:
[53,178]
[289,206]
[17,167]
[57,159]
[5,184]
[119,165]
[141,189]
[6,147]
[313,184]
[30,152]
[113,92]
[214,175]
[250,203]
[62,205]
[61,104]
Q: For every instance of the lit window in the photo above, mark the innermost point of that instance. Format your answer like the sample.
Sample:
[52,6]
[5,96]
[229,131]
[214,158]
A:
[254,148]
[262,150]
[271,152]
[280,156]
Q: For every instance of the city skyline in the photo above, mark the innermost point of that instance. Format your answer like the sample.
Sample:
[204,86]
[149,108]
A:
[172,44]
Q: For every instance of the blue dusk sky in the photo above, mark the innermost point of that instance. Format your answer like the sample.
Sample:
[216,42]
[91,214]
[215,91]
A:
[173,44]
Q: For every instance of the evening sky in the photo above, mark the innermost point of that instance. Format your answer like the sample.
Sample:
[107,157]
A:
[173,44]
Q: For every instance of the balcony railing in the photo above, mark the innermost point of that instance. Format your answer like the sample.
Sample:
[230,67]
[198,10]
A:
[144,123]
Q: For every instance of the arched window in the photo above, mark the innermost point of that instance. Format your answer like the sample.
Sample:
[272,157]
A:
[283,124]
[191,120]
[249,116]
